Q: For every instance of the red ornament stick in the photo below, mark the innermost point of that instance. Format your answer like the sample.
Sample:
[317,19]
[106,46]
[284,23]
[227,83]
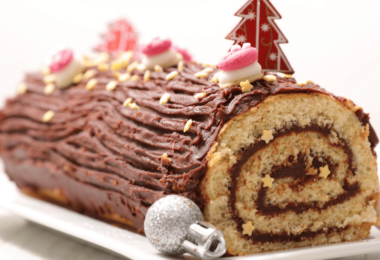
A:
[120,37]
[258,28]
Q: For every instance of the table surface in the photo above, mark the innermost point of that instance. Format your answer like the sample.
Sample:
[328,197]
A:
[21,239]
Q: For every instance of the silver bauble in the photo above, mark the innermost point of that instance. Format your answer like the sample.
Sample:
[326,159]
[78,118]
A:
[167,223]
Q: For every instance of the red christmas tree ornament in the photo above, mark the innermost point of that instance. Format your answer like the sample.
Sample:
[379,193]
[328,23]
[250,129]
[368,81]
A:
[258,28]
[121,37]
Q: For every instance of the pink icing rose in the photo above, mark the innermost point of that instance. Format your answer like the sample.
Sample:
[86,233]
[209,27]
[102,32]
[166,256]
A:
[185,54]
[60,60]
[156,46]
[238,58]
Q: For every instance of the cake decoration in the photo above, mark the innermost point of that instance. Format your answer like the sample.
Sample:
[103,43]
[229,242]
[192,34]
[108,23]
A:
[185,53]
[91,84]
[267,181]
[187,125]
[158,68]
[127,102]
[324,171]
[49,89]
[111,85]
[165,157]
[201,74]
[78,78]
[180,66]
[215,78]
[134,106]
[267,136]
[103,67]
[258,28]
[172,75]
[22,88]
[135,77]
[174,225]
[123,77]
[159,52]
[199,96]
[246,86]
[248,228]
[147,75]
[164,99]
[89,74]
[303,83]
[45,70]
[240,64]
[121,37]
[49,79]
[270,78]
[64,66]
[48,116]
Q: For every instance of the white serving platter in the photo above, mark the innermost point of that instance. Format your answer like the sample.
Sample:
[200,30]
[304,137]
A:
[135,246]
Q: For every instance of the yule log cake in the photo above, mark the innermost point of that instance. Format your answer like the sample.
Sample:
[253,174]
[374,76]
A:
[273,163]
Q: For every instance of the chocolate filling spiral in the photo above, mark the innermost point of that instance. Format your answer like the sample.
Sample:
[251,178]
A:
[296,169]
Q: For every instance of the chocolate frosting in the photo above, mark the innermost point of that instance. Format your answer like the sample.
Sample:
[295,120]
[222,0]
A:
[94,139]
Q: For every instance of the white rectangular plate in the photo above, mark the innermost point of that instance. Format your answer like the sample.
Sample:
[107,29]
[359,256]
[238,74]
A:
[135,246]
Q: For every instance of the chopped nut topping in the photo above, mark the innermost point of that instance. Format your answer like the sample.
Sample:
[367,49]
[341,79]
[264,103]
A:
[49,79]
[49,88]
[267,136]
[45,71]
[208,70]
[172,75]
[215,78]
[91,84]
[208,65]
[180,66]
[188,125]
[201,74]
[111,85]
[123,77]
[147,75]
[246,86]
[135,77]
[288,76]
[134,106]
[116,65]
[200,95]
[141,67]
[270,78]
[165,98]
[127,102]
[267,181]
[48,116]
[78,78]
[158,68]
[165,157]
[89,74]
[324,171]
[133,66]
[124,58]
[103,67]
[356,108]
[303,83]
[22,88]
[248,228]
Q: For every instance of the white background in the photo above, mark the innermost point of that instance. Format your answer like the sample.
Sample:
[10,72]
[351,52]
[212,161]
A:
[335,43]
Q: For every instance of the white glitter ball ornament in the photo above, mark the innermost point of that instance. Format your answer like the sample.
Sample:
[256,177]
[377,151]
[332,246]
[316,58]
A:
[167,223]
[174,225]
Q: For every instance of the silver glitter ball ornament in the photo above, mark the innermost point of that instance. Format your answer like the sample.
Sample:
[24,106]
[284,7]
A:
[167,223]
